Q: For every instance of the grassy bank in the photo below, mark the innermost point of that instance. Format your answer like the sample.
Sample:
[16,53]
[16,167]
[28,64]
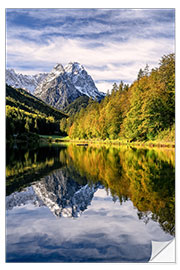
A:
[153,143]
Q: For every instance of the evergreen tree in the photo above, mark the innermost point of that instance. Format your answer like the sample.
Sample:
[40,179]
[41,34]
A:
[137,112]
[140,74]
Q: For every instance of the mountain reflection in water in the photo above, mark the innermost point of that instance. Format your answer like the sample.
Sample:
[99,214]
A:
[117,199]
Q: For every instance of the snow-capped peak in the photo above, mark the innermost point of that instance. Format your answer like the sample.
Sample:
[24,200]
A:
[58,68]
[27,82]
[82,81]
[56,72]
[64,84]
[73,67]
[59,87]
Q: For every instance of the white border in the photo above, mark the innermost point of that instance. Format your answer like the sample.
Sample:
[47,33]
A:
[78,4]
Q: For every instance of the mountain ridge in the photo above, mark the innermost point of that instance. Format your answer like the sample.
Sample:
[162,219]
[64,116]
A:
[26,82]
[77,105]
[27,116]
[58,88]
[21,99]
[65,84]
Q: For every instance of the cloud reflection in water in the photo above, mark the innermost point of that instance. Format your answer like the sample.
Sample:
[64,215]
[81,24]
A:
[105,232]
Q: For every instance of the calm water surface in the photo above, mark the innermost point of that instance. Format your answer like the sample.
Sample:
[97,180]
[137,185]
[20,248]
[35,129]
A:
[88,204]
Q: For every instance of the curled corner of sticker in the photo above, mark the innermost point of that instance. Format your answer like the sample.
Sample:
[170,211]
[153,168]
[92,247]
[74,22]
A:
[163,251]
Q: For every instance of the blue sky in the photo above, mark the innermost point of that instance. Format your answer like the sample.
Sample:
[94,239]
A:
[112,44]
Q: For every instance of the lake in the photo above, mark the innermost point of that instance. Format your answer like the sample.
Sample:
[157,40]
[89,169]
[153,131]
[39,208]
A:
[69,203]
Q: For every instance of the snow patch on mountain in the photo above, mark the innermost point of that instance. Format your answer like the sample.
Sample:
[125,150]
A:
[82,80]
[26,82]
[64,84]
[59,87]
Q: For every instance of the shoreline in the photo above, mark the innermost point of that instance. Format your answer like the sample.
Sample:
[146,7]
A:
[54,139]
[159,144]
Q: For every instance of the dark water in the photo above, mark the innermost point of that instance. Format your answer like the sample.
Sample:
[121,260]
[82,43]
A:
[88,204]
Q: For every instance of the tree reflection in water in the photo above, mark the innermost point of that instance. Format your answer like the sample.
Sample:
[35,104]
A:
[144,176]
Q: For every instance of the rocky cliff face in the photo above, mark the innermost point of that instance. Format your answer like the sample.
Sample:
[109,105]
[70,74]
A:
[58,88]
[59,192]
[26,82]
[64,84]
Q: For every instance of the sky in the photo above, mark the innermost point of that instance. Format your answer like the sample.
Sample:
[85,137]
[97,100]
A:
[111,44]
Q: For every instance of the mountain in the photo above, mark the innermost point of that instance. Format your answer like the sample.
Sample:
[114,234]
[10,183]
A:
[65,84]
[76,105]
[82,81]
[27,82]
[27,116]
[23,100]
[58,88]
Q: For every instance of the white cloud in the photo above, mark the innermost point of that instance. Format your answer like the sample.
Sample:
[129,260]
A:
[127,39]
[104,86]
[123,60]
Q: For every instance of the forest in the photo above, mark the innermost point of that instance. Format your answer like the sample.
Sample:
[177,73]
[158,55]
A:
[26,114]
[143,111]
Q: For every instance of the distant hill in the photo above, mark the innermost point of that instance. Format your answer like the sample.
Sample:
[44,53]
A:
[76,105]
[23,100]
[26,114]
